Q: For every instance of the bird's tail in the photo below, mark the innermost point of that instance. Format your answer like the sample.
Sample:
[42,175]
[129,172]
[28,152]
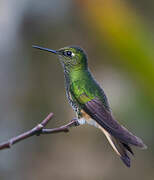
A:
[120,148]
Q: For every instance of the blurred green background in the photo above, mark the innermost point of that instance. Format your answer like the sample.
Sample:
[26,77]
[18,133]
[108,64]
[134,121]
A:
[118,38]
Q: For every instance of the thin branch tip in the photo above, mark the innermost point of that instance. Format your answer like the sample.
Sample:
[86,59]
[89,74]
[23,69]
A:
[38,130]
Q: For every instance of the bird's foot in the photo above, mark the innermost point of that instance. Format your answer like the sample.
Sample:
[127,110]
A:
[75,122]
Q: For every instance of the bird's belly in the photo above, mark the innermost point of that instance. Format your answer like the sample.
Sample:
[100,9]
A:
[86,119]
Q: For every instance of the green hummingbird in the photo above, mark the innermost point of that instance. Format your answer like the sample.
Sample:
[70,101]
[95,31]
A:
[90,103]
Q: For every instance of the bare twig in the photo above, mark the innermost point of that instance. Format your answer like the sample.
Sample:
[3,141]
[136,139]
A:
[38,130]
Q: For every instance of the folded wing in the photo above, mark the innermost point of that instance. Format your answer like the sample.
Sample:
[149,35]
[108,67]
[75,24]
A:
[104,118]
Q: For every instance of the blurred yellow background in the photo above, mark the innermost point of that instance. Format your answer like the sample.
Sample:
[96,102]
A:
[118,38]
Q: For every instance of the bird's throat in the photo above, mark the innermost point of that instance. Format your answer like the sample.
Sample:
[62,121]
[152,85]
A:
[77,74]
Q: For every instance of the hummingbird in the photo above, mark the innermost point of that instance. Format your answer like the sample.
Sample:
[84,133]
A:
[90,103]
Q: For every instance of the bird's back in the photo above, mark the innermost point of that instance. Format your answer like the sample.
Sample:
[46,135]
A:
[86,88]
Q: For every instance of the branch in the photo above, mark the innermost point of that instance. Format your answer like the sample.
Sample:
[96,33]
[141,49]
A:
[38,130]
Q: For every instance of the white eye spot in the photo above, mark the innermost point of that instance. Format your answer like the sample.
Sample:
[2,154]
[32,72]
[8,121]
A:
[73,54]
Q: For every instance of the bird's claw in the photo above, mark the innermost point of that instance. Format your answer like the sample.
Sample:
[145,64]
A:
[75,122]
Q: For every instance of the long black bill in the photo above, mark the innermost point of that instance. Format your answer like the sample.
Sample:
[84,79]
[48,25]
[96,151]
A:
[45,49]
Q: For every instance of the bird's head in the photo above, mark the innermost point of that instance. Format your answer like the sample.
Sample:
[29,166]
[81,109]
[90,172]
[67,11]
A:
[71,57]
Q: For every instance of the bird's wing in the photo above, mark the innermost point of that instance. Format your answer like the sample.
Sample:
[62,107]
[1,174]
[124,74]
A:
[104,118]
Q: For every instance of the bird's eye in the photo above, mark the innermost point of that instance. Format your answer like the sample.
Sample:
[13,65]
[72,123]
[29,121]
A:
[69,53]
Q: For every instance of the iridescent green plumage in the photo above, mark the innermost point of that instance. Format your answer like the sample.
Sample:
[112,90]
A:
[85,88]
[82,85]
[90,102]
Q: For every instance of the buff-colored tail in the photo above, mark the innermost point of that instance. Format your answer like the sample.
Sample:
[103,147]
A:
[120,148]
